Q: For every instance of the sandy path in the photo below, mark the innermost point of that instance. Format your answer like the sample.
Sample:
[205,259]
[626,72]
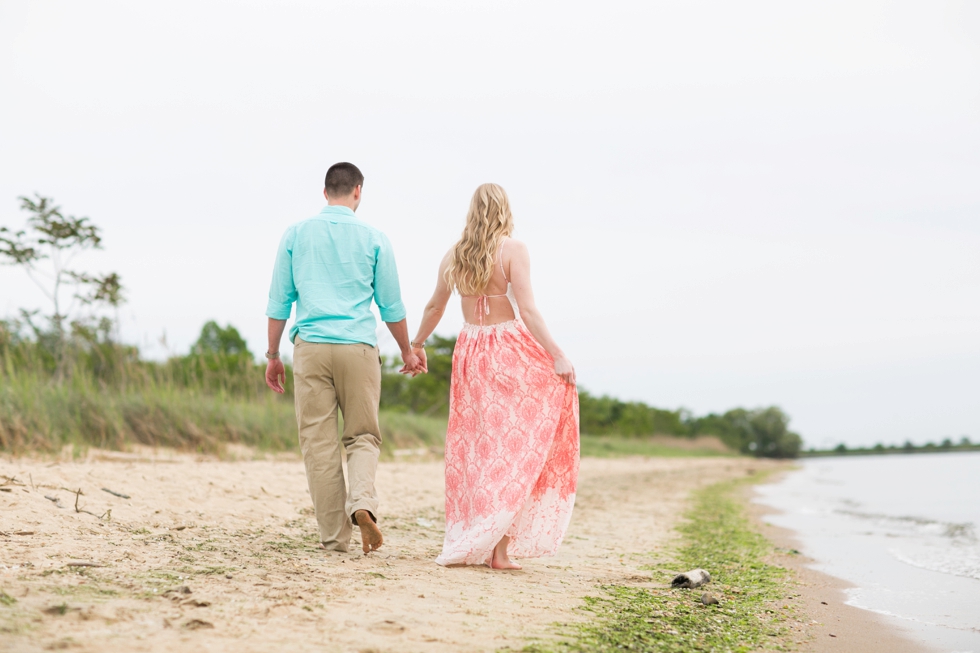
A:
[240,536]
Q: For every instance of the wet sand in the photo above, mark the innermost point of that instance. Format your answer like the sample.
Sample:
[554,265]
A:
[833,626]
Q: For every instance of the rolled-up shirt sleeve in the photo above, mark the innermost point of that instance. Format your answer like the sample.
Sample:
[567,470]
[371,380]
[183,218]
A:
[282,292]
[387,292]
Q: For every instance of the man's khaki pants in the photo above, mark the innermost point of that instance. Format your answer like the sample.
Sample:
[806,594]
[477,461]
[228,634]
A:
[327,375]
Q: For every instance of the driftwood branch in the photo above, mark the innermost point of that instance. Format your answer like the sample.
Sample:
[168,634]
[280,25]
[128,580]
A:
[78,493]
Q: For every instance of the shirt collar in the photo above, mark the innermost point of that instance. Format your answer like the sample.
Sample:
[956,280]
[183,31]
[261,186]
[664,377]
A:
[336,211]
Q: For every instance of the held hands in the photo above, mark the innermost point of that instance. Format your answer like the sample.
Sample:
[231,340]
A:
[564,368]
[275,374]
[414,360]
[420,352]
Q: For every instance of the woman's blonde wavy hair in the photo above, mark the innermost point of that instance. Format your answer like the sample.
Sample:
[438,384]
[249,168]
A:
[488,221]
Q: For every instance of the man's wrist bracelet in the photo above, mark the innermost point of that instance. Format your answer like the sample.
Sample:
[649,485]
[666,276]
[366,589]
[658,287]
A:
[418,345]
[271,356]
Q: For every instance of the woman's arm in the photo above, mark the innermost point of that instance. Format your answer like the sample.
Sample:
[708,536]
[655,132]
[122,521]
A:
[434,311]
[520,279]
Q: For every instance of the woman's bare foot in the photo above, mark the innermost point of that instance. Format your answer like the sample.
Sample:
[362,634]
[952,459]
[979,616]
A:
[371,539]
[499,559]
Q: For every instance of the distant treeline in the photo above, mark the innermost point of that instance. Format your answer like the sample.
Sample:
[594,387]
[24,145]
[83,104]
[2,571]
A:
[964,444]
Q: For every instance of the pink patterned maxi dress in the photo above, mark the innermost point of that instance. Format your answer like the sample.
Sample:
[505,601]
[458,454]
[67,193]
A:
[512,446]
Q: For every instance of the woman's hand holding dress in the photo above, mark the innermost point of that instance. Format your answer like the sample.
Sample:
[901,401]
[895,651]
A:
[564,368]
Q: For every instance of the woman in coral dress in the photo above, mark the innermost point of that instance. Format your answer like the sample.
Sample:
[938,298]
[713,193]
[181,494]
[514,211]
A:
[512,446]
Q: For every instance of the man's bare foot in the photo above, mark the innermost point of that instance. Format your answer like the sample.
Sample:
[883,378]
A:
[500,559]
[371,539]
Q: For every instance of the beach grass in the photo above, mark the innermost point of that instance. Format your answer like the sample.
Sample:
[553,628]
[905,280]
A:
[38,416]
[717,536]
[41,417]
[612,446]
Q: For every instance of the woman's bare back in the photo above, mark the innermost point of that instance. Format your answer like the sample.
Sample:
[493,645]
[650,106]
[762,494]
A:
[496,304]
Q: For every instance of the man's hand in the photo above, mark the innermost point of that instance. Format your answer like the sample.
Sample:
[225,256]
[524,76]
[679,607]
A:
[413,365]
[275,375]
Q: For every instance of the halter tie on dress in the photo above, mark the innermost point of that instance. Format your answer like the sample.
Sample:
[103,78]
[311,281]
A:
[483,301]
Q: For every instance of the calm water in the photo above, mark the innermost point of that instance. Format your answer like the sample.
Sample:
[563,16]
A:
[904,529]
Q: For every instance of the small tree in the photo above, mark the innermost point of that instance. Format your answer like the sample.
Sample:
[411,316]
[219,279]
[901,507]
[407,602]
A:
[45,249]
[216,341]
[763,432]
[770,427]
[218,362]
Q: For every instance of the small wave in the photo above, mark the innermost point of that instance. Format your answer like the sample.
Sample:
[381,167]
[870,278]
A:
[953,530]
[952,561]
[855,600]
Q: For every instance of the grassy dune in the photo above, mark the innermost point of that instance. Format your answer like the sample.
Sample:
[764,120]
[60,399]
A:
[38,416]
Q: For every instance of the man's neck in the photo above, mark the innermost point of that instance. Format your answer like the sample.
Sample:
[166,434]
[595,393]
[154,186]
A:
[344,201]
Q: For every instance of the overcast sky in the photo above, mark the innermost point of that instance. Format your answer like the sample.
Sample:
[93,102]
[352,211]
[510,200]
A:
[727,204]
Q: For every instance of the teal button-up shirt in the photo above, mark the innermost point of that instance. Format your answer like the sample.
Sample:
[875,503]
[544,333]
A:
[333,265]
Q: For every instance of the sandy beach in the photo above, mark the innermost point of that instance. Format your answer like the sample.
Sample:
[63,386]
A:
[217,555]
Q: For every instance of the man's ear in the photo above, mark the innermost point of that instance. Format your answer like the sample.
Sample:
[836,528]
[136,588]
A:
[357,192]
[325,196]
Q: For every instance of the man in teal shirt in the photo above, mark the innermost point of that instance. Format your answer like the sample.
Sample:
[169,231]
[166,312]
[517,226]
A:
[333,266]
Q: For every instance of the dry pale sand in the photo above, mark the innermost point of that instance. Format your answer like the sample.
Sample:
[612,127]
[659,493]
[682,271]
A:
[219,556]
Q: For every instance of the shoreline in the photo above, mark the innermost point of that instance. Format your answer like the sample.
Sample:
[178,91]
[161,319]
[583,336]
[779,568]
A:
[835,626]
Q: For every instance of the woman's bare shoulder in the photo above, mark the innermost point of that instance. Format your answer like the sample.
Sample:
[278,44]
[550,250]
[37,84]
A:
[516,246]
[444,263]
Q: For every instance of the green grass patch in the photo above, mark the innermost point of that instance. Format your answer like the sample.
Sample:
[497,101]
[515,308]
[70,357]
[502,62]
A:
[610,446]
[87,589]
[411,431]
[40,416]
[717,537]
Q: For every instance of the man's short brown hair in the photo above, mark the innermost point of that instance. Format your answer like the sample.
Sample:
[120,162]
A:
[341,179]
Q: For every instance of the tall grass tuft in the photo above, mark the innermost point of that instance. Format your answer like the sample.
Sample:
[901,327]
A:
[37,415]
[112,399]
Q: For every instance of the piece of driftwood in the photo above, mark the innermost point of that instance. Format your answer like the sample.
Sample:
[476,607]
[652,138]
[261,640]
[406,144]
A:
[691,579]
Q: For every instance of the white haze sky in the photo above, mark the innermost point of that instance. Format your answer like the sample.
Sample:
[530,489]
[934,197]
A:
[727,204]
